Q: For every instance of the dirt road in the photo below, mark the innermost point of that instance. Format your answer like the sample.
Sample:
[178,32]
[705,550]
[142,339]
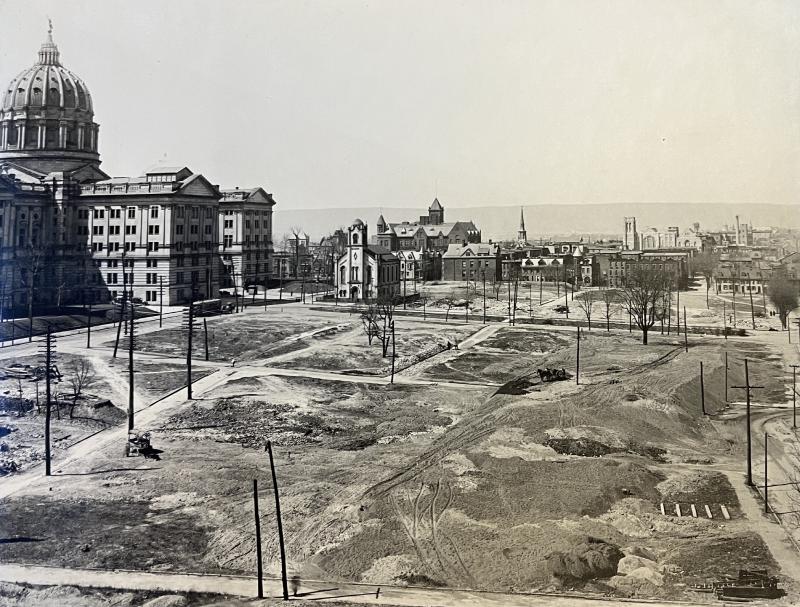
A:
[317,590]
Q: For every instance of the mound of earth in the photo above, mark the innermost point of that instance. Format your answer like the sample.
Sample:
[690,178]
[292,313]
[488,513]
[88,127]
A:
[590,559]
[699,487]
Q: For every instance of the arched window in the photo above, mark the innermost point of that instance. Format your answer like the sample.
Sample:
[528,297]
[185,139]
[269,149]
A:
[53,96]
[36,99]
[12,133]
[69,98]
[20,97]
[355,238]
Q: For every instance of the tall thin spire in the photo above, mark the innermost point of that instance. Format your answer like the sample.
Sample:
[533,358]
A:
[48,52]
[522,235]
[521,219]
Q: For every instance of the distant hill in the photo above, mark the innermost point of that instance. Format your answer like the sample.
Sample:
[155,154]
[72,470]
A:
[548,219]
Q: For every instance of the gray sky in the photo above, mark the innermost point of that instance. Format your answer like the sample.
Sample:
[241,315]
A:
[387,103]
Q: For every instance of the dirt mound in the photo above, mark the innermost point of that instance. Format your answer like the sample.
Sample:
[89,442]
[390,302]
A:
[591,559]
[702,559]
[585,447]
[699,487]
[516,387]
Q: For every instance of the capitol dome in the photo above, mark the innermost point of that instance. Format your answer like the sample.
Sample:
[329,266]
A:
[47,119]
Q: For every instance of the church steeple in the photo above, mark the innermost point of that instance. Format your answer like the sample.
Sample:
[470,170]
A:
[522,235]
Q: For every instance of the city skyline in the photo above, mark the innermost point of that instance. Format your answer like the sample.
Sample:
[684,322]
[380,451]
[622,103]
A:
[390,105]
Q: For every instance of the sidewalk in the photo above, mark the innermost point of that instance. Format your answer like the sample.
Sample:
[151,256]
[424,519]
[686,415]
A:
[317,590]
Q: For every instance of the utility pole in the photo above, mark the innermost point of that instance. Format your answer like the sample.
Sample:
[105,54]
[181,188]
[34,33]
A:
[733,290]
[160,301]
[747,387]
[89,327]
[540,288]
[48,364]
[265,296]
[794,395]
[766,483]
[725,320]
[726,378]
[280,522]
[404,288]
[484,297]
[578,358]
[685,331]
[392,378]
[678,309]
[752,310]
[702,390]
[189,331]
[121,318]
[205,335]
[259,561]
[130,372]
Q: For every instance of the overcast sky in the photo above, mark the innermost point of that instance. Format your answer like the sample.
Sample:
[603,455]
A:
[388,103]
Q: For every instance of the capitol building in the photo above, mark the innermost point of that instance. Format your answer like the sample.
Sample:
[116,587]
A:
[69,233]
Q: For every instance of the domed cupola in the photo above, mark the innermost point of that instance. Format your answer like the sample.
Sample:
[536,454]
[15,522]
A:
[46,117]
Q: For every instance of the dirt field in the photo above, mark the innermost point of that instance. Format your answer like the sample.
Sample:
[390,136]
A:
[231,336]
[483,486]
[348,349]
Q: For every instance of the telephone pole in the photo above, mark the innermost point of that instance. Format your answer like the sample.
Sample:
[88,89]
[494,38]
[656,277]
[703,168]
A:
[392,379]
[280,522]
[725,320]
[130,372]
[48,349]
[766,484]
[685,331]
[747,387]
[702,390]
[89,327]
[160,301]
[484,296]
[578,358]
[726,378]
[794,395]
[259,561]
[189,331]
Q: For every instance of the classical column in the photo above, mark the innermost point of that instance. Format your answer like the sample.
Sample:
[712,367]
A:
[41,135]
[62,135]
[4,136]
[81,131]
[20,135]
[93,138]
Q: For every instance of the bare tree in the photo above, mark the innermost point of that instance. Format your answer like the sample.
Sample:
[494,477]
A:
[469,297]
[642,294]
[385,306]
[30,263]
[706,263]
[370,320]
[782,296]
[449,300]
[610,301]
[81,377]
[586,302]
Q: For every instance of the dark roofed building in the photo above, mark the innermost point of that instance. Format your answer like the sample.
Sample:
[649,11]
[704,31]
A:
[471,262]
[430,233]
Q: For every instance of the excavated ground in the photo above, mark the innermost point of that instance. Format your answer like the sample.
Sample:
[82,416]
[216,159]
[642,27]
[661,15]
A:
[456,486]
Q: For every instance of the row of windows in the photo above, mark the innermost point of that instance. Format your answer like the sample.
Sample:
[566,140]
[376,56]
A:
[115,246]
[126,263]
